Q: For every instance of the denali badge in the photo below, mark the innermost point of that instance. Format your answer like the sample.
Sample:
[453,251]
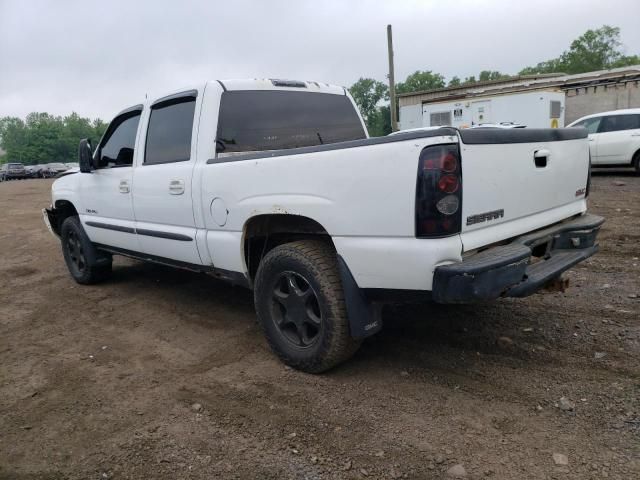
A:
[485,217]
[581,192]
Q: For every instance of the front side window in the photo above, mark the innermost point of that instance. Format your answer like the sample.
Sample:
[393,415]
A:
[259,120]
[615,123]
[169,132]
[119,142]
[591,124]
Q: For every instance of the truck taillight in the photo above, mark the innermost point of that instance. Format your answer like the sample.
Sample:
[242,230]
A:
[439,192]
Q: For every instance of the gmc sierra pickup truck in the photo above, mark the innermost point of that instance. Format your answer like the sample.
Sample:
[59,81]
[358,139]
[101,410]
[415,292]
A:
[275,185]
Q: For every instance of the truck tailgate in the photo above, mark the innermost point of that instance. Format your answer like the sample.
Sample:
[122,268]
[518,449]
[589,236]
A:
[516,181]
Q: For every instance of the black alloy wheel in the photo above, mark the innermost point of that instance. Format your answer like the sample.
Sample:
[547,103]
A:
[296,311]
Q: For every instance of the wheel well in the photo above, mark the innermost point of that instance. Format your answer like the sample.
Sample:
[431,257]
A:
[64,209]
[263,233]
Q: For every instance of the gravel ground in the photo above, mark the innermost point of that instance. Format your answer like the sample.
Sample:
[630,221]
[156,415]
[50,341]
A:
[163,374]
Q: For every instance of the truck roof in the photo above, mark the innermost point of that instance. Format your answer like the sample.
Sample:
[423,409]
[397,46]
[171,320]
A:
[280,84]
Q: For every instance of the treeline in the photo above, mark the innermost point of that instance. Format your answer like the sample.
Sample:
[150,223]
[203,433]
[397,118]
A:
[598,49]
[45,138]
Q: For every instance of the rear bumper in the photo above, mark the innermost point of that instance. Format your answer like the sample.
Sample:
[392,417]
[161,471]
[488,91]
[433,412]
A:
[512,270]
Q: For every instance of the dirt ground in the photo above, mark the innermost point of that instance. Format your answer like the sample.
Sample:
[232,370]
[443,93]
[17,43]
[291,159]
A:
[163,374]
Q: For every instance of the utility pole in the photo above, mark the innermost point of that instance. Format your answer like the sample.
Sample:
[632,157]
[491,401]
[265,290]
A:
[392,83]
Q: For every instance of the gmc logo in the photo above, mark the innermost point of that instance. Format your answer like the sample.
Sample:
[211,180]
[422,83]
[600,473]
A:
[485,217]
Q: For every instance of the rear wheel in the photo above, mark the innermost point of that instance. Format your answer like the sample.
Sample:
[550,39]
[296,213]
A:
[636,162]
[85,263]
[300,305]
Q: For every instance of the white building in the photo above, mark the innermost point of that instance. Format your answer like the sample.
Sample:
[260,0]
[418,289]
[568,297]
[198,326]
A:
[550,100]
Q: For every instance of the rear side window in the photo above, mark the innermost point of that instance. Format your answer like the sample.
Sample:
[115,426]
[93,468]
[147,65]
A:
[252,121]
[614,123]
[119,141]
[169,132]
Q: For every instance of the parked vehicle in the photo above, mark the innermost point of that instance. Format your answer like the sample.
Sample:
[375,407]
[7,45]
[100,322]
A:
[13,171]
[55,168]
[30,171]
[614,137]
[274,185]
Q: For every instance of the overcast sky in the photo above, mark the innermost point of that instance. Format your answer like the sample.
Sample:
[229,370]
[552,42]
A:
[97,57]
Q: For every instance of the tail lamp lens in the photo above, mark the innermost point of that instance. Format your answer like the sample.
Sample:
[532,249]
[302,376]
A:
[448,183]
[449,163]
[439,192]
[448,205]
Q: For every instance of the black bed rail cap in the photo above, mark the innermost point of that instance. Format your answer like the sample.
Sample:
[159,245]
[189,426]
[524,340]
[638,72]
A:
[486,136]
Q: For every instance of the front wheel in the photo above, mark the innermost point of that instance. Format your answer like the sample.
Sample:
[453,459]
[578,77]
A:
[636,162]
[300,305]
[86,265]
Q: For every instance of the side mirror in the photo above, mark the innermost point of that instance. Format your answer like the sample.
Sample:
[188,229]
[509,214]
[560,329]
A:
[84,155]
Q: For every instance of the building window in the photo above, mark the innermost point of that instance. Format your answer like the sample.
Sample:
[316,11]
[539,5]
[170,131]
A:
[438,119]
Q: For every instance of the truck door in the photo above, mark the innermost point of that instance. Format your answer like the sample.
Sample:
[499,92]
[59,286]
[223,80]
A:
[107,207]
[162,194]
[481,112]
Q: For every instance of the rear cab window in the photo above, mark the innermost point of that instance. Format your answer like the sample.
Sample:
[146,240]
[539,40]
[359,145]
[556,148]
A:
[260,120]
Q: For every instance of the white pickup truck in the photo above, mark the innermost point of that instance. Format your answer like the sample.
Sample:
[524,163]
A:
[274,185]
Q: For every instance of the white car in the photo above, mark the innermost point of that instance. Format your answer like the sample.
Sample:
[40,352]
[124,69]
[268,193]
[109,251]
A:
[614,137]
[274,185]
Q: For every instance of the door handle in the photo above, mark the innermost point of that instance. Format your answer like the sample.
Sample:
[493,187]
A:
[124,186]
[541,157]
[176,187]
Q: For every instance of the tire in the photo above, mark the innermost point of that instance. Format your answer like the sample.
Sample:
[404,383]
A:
[636,162]
[85,263]
[300,306]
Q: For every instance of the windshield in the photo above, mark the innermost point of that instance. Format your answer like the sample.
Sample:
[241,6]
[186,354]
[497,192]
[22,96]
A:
[258,120]
[16,165]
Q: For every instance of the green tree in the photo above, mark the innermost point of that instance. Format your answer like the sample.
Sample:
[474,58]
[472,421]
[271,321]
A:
[598,49]
[44,138]
[380,122]
[488,75]
[454,82]
[421,80]
[367,93]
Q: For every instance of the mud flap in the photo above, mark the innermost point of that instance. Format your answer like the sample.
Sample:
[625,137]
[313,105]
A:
[365,317]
